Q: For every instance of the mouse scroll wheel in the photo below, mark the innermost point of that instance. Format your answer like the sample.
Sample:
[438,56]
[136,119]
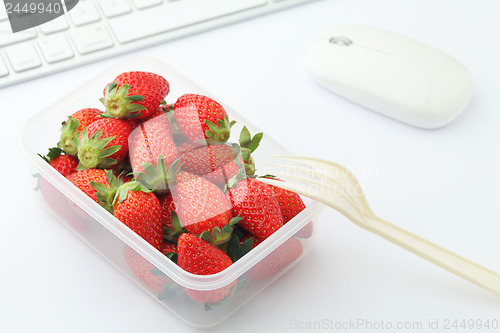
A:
[340,40]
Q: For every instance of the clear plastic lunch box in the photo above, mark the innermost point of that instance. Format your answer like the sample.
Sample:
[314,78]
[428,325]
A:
[134,257]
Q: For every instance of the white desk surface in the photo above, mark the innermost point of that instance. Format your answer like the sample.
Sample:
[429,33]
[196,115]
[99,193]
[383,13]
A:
[442,184]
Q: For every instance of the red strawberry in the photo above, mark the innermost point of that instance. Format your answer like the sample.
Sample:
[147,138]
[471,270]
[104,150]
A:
[168,248]
[290,202]
[202,258]
[168,207]
[134,94]
[200,204]
[59,202]
[187,146]
[177,135]
[201,118]
[82,179]
[172,226]
[254,202]
[104,143]
[73,125]
[63,163]
[142,269]
[86,117]
[147,143]
[216,163]
[140,211]
[276,261]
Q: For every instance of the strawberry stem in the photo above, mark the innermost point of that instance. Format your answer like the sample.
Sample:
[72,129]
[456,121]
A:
[157,178]
[93,153]
[248,145]
[68,133]
[118,104]
[220,132]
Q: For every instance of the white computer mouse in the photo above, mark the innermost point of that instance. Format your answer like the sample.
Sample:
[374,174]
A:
[391,74]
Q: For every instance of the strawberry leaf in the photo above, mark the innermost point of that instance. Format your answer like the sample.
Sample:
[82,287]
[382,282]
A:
[220,236]
[122,193]
[170,291]
[171,235]
[172,256]
[254,143]
[154,178]
[53,153]
[248,145]
[218,133]
[213,127]
[136,98]
[245,137]
[236,250]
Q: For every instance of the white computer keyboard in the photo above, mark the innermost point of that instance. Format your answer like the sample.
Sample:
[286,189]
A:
[97,29]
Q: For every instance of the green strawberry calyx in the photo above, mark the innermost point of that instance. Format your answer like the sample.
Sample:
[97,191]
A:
[118,104]
[220,132]
[237,249]
[248,145]
[93,153]
[53,153]
[117,191]
[220,236]
[172,234]
[106,194]
[156,178]
[122,190]
[233,181]
[68,133]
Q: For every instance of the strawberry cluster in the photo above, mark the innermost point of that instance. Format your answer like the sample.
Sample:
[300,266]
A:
[168,172]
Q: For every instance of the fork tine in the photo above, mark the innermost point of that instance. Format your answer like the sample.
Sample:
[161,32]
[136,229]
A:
[315,162]
[317,195]
[323,182]
[297,188]
[306,181]
[310,161]
[326,181]
[322,189]
[335,179]
[294,171]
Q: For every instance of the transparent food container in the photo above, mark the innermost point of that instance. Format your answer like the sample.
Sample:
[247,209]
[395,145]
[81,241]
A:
[160,277]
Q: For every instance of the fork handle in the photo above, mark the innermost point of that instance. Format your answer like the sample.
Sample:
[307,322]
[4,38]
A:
[444,258]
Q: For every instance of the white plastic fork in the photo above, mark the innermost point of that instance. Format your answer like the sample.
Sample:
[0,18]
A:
[336,187]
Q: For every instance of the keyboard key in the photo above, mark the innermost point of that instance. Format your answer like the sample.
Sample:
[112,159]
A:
[23,57]
[141,4]
[91,38]
[175,15]
[4,71]
[7,37]
[113,8]
[56,25]
[56,48]
[84,13]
